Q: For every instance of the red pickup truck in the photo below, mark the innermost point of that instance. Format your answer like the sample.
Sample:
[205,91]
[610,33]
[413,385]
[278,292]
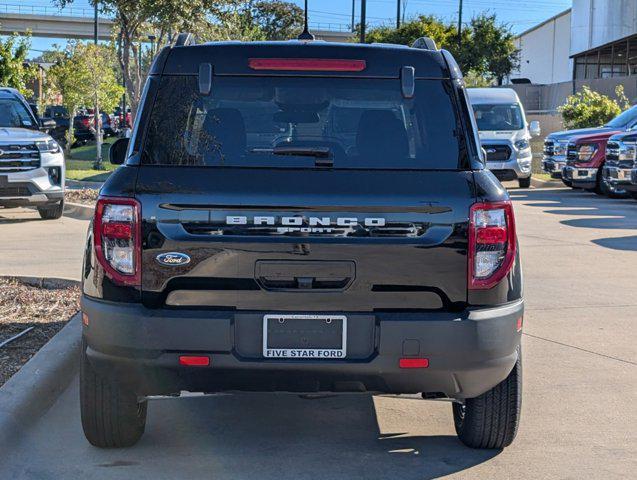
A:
[585,157]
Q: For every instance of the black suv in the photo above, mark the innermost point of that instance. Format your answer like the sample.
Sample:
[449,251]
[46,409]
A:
[302,217]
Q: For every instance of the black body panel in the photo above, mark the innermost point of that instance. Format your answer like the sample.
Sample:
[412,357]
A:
[417,261]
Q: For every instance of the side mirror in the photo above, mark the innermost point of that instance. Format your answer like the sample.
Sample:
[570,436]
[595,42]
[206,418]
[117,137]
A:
[47,124]
[117,152]
[534,128]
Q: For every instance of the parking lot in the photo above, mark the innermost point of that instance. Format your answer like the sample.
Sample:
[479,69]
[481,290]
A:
[580,381]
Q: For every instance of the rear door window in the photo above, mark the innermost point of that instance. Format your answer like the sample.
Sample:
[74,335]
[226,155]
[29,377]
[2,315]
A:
[284,121]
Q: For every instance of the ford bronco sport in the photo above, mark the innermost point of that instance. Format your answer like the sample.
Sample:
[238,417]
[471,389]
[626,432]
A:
[302,217]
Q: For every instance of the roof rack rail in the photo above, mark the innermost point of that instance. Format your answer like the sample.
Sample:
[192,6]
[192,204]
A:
[424,43]
[184,39]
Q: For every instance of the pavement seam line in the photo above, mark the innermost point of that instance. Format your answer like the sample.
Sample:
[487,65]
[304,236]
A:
[581,349]
[570,307]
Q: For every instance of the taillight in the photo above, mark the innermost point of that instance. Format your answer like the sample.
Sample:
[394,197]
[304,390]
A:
[117,238]
[492,243]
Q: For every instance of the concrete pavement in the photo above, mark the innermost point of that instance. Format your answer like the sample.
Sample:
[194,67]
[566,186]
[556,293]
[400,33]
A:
[40,248]
[580,384]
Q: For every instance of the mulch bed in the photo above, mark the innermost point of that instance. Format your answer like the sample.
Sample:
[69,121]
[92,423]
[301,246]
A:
[85,196]
[23,306]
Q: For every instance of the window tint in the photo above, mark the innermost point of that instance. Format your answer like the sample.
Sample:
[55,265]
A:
[498,117]
[14,114]
[249,121]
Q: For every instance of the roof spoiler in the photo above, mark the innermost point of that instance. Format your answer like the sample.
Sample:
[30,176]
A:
[424,43]
[182,40]
[185,39]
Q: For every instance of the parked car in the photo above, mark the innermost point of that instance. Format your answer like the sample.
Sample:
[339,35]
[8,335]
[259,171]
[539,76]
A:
[109,126]
[123,121]
[31,161]
[504,133]
[302,263]
[62,122]
[83,128]
[585,159]
[621,163]
[554,158]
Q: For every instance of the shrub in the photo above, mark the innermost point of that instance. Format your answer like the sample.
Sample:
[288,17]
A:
[588,108]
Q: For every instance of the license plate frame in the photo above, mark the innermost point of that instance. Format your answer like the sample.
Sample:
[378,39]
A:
[300,353]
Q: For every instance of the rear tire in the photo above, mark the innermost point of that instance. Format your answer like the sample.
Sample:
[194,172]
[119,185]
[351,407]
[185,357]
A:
[491,420]
[524,182]
[633,195]
[112,417]
[52,212]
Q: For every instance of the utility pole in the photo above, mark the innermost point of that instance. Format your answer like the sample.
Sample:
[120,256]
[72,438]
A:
[363,19]
[398,14]
[353,15]
[460,25]
[96,108]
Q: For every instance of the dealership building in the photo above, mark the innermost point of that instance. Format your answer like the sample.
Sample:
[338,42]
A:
[593,43]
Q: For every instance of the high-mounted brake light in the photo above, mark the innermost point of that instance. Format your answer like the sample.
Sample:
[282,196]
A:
[117,238]
[492,243]
[307,64]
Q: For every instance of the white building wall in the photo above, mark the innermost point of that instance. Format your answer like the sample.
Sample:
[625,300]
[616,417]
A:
[598,22]
[544,52]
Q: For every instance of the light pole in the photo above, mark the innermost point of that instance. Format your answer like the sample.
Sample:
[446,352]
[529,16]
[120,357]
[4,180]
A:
[459,26]
[97,165]
[398,14]
[363,19]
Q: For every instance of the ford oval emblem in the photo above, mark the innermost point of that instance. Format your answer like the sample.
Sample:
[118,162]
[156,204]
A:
[173,259]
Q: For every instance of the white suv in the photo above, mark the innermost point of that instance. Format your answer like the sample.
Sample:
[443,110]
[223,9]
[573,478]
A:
[31,162]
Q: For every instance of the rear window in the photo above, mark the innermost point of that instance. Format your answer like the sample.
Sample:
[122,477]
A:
[283,122]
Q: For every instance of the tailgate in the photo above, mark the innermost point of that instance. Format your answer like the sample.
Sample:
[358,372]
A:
[304,240]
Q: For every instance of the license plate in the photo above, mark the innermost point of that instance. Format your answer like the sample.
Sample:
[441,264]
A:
[310,337]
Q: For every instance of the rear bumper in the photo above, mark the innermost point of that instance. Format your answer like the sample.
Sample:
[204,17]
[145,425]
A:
[468,352]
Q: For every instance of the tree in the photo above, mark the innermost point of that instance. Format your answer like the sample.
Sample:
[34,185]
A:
[66,77]
[588,108]
[487,50]
[493,47]
[279,20]
[103,89]
[15,72]
[84,74]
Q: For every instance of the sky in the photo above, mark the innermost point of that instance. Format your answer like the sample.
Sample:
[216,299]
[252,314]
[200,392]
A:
[519,14]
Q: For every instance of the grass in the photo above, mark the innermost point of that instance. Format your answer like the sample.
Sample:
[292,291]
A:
[79,165]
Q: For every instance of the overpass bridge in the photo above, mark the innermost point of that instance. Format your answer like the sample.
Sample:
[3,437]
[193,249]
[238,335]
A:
[77,22]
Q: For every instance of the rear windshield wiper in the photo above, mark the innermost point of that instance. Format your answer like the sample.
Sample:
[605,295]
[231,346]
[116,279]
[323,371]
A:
[323,155]
[318,152]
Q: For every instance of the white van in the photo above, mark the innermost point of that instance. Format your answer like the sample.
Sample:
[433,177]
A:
[504,133]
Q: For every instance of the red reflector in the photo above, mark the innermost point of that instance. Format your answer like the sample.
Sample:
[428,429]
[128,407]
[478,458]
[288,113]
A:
[518,327]
[413,363]
[307,64]
[194,361]
[117,230]
[491,235]
[85,319]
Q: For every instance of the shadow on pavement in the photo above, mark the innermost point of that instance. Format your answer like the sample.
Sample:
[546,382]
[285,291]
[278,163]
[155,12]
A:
[273,436]
[597,212]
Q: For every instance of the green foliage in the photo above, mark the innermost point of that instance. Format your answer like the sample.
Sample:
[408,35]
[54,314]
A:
[15,72]
[279,20]
[474,79]
[588,108]
[488,48]
[84,75]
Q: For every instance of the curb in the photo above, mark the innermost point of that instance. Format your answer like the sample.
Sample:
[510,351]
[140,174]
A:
[42,282]
[81,184]
[537,183]
[78,211]
[36,386]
